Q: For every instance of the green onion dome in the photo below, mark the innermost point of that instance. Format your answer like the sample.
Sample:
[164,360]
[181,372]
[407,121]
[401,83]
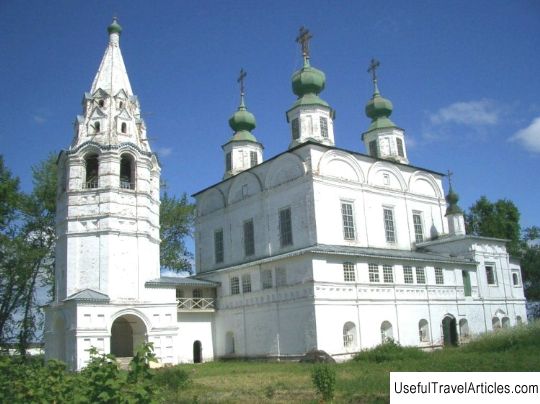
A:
[308,80]
[452,198]
[114,28]
[243,122]
[379,109]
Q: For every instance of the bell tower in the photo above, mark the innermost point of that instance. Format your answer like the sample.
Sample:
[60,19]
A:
[107,224]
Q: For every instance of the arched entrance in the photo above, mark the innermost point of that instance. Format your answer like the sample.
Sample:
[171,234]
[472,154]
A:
[450,336]
[127,333]
[197,352]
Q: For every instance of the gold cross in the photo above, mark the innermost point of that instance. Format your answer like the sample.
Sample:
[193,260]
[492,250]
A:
[303,38]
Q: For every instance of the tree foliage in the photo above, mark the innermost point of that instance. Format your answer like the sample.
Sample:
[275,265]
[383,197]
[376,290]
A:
[530,262]
[176,221]
[499,220]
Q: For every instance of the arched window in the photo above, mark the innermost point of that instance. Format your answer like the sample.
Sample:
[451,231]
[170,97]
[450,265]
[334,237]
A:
[121,105]
[97,127]
[464,328]
[127,172]
[123,127]
[496,323]
[349,335]
[387,333]
[92,171]
[505,322]
[423,330]
[101,103]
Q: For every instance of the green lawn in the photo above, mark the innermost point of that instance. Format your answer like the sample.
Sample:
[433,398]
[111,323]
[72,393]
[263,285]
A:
[363,380]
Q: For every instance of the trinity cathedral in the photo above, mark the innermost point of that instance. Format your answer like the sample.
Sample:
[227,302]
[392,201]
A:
[315,248]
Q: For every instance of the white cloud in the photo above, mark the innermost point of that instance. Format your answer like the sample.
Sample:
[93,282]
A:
[470,113]
[39,119]
[529,137]
[164,151]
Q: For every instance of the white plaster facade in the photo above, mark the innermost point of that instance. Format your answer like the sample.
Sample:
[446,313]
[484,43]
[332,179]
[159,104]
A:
[318,247]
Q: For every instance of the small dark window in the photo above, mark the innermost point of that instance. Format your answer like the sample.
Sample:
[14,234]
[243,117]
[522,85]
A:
[466,283]
[373,149]
[253,158]
[400,147]
[126,172]
[218,246]
[123,127]
[295,129]
[92,171]
[228,162]
[97,127]
[121,105]
[101,103]
[324,127]
[515,279]
[285,227]
[249,238]
[490,275]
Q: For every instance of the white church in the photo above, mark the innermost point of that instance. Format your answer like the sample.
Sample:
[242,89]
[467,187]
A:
[316,248]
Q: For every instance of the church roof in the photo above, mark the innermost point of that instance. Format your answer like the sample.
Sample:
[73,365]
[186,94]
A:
[452,238]
[89,295]
[112,74]
[172,281]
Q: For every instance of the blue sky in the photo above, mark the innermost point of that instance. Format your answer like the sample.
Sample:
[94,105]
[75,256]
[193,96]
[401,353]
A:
[462,75]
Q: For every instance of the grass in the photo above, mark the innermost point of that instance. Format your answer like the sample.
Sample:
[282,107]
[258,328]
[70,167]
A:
[363,380]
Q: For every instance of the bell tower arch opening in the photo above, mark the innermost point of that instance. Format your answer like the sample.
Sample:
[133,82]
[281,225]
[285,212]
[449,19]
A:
[127,171]
[128,332]
[91,179]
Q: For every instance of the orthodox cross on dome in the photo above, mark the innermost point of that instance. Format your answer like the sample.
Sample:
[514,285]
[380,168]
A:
[373,70]
[240,80]
[449,175]
[303,39]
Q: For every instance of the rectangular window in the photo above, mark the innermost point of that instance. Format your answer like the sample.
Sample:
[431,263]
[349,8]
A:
[490,275]
[281,277]
[515,279]
[295,129]
[218,246]
[235,285]
[249,238]
[373,149]
[373,273]
[253,158]
[324,127]
[285,227]
[266,279]
[228,162]
[418,227]
[348,220]
[466,283]
[246,283]
[389,225]
[408,274]
[388,274]
[400,150]
[439,276]
[420,275]
[348,272]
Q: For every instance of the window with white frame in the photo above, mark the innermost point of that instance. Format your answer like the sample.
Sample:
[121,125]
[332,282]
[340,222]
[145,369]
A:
[218,246]
[418,227]
[389,228]
[388,274]
[281,277]
[408,274]
[246,283]
[249,238]
[324,126]
[348,272]
[235,285]
[347,218]
[373,272]
[515,279]
[253,158]
[349,335]
[420,275]
[295,128]
[490,274]
[387,334]
[373,151]
[285,227]
[439,276]
[228,162]
[400,149]
[266,279]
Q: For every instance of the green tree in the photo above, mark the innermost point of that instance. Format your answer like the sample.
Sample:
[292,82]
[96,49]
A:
[530,262]
[176,220]
[499,220]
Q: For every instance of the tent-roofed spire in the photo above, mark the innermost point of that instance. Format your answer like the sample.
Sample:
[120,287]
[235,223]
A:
[112,74]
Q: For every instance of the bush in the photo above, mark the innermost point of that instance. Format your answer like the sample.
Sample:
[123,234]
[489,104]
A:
[389,351]
[507,339]
[324,380]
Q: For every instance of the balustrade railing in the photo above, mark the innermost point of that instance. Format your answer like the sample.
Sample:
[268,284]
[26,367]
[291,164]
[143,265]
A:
[195,303]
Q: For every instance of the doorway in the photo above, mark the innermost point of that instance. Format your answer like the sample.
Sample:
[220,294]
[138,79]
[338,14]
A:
[197,352]
[450,336]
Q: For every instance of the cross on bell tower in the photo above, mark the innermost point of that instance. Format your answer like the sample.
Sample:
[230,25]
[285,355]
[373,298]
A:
[303,39]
